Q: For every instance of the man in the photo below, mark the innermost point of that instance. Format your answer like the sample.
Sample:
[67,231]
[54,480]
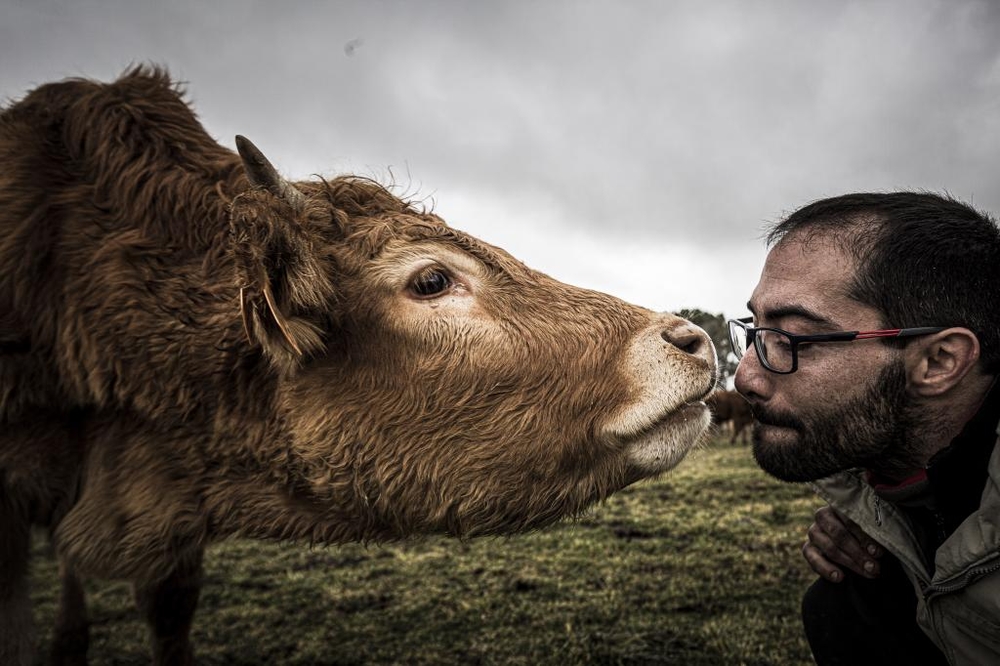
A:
[871,365]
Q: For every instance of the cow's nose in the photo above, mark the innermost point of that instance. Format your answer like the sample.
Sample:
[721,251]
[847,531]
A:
[690,339]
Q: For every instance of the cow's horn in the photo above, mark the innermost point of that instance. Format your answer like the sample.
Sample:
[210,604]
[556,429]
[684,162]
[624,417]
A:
[262,173]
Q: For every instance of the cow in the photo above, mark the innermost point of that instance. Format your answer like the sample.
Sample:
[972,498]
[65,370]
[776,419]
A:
[730,407]
[193,348]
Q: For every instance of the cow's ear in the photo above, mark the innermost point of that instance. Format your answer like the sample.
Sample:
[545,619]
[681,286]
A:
[283,282]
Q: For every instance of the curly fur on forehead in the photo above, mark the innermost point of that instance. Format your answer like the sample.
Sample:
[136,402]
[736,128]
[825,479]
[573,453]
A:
[368,216]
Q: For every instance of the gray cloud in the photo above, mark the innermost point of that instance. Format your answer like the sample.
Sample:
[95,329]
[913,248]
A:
[674,125]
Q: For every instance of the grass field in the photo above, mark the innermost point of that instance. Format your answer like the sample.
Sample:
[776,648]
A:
[699,567]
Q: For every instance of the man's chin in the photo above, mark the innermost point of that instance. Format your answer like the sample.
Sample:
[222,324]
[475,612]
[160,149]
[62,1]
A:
[775,435]
[779,451]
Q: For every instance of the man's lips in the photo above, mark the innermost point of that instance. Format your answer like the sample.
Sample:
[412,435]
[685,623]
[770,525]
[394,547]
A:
[772,420]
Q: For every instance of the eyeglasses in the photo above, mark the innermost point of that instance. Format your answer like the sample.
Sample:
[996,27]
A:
[778,350]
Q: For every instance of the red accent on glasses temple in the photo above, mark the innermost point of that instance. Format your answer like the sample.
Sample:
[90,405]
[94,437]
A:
[887,333]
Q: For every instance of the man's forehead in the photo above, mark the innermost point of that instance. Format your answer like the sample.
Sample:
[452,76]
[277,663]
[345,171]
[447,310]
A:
[827,251]
[808,279]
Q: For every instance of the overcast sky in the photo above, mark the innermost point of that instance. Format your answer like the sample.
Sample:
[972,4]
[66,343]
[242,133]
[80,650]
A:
[638,148]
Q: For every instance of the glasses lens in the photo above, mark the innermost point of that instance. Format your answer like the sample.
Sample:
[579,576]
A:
[775,350]
[738,338]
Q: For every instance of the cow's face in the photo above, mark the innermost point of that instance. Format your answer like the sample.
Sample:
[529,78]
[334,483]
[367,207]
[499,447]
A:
[431,382]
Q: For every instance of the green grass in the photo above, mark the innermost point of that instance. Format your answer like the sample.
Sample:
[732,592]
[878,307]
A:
[699,567]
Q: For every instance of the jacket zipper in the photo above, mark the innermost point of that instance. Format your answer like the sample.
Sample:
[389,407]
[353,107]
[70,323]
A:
[931,590]
[961,581]
[918,570]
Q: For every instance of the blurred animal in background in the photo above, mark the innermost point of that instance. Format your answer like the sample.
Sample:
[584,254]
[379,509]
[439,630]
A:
[192,347]
[730,408]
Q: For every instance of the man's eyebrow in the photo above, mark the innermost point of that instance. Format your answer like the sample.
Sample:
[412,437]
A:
[794,311]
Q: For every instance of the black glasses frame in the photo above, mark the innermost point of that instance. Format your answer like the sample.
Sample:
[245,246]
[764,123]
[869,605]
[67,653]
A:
[795,340]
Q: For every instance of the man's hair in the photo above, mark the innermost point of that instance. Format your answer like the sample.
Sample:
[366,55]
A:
[923,259]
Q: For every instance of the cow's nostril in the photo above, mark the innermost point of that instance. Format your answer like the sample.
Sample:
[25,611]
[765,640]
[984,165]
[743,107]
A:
[691,347]
[688,339]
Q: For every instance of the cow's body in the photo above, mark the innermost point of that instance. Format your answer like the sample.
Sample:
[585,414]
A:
[732,408]
[191,349]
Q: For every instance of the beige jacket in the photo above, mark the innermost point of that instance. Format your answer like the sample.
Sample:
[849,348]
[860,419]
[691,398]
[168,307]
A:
[959,606]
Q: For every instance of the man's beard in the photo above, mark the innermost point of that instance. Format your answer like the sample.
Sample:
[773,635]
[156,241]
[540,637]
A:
[872,431]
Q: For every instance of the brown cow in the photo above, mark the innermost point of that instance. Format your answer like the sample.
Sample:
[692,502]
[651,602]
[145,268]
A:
[730,407]
[192,347]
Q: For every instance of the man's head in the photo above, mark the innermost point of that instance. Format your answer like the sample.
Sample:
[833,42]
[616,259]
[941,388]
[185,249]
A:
[863,262]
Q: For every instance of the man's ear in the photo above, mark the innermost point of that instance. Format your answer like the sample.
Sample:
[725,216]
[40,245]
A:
[937,363]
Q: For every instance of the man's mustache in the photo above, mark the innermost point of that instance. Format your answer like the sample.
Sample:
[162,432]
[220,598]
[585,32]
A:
[768,417]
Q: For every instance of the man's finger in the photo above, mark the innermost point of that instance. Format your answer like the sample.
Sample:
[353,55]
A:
[846,553]
[842,541]
[822,566]
[871,548]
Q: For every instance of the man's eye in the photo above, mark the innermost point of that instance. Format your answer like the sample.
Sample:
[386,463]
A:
[781,344]
[430,281]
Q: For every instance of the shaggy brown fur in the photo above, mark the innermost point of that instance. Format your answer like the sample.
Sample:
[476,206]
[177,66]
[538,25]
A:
[730,407]
[389,375]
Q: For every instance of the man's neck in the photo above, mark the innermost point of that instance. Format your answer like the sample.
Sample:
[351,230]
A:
[942,421]
[934,425]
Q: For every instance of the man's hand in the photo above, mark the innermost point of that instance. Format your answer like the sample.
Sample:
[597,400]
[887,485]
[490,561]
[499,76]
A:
[835,540]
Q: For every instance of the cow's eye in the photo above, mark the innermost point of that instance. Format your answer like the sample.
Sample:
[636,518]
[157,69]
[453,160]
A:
[430,281]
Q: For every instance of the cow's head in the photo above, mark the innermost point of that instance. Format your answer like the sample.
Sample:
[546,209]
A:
[432,383]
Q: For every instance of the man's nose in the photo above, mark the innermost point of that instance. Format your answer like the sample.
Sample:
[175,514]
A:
[751,377]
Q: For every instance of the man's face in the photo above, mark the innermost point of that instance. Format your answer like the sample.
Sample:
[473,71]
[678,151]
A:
[846,405]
